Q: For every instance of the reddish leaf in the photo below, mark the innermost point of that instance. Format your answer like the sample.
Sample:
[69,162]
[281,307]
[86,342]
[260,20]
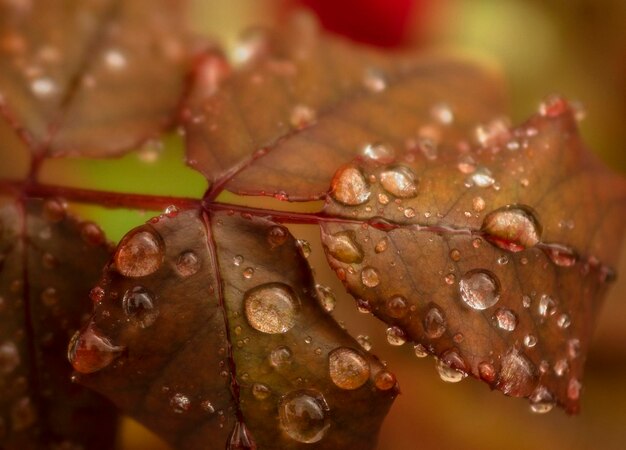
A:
[209,333]
[495,258]
[90,78]
[46,270]
[306,102]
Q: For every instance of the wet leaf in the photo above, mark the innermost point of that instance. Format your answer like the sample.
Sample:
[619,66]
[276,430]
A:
[48,262]
[73,75]
[495,258]
[214,338]
[302,103]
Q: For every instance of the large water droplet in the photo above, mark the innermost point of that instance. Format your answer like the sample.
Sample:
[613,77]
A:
[271,308]
[434,322]
[399,181]
[513,228]
[89,351]
[350,187]
[518,375]
[187,264]
[138,304]
[479,289]
[343,247]
[304,415]
[370,277]
[347,368]
[139,254]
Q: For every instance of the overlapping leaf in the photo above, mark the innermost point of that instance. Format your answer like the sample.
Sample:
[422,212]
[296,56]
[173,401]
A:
[306,102]
[495,259]
[47,264]
[209,332]
[90,78]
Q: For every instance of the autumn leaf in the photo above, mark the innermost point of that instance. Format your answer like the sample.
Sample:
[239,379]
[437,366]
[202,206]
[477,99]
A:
[48,263]
[208,330]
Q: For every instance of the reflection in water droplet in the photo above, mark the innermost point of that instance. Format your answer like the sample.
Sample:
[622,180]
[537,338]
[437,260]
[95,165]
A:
[89,351]
[271,308]
[434,323]
[547,306]
[326,297]
[505,319]
[139,254]
[395,336]
[518,374]
[138,304]
[187,264]
[399,181]
[370,277]
[420,351]
[513,228]
[397,306]
[277,235]
[541,400]
[280,357]
[350,187]
[304,415]
[347,368]
[343,247]
[381,153]
[448,373]
[384,380]
[530,341]
[479,289]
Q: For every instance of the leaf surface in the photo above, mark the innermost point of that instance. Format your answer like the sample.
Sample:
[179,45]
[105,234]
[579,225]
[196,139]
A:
[90,78]
[305,102]
[209,332]
[46,270]
[495,259]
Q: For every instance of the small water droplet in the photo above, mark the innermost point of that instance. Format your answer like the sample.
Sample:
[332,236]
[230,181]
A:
[385,380]
[138,304]
[503,260]
[399,181]
[374,80]
[478,203]
[573,389]
[442,113]
[564,321]
[518,374]
[326,297]
[530,341]
[513,228]
[43,87]
[237,260]
[381,153]
[350,187]
[547,306]
[479,289]
[277,235]
[553,106]
[248,273]
[541,401]
[455,255]
[180,403]
[447,367]
[89,351]
[115,59]
[420,351]
[370,277]
[302,116]
[409,213]
[54,210]
[187,264]
[305,247]
[260,391]
[466,164]
[562,256]
[397,306]
[573,348]
[343,247]
[97,294]
[9,358]
[381,245]
[304,415]
[482,177]
[487,372]
[505,319]
[139,254]
[271,308]
[396,336]
[561,367]
[280,357]
[434,322]
[364,341]
[348,369]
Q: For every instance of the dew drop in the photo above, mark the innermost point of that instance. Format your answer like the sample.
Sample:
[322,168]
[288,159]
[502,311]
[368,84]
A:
[237,260]
[348,369]
[397,306]
[271,308]
[562,256]
[89,351]
[530,341]
[573,348]
[442,113]
[518,374]
[434,323]
[280,357]
[364,341]
[478,203]
[385,380]
[573,389]
[248,273]
[304,415]
[561,367]
[260,391]
[305,247]
[541,401]
[187,264]
[139,254]
[381,153]
[455,255]
[409,213]
[114,59]
[180,403]
[370,277]
[482,177]
[9,358]
[487,372]
[547,306]
[396,336]
[326,297]
[447,369]
[505,319]
[138,304]
[420,351]
[374,80]
[553,106]
[302,116]
[513,228]
[43,87]
[343,247]
[54,210]
[350,187]
[399,181]
[277,235]
[564,321]
[479,289]
[466,164]
[381,245]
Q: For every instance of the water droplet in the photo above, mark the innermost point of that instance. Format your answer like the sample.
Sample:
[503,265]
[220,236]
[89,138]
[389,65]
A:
[350,187]
[261,391]
[541,401]
[271,308]
[434,323]
[347,368]
[54,210]
[466,164]
[237,260]
[91,233]
[139,254]
[409,213]
[562,256]
[138,304]
[561,367]
[9,358]
[397,306]
[526,301]
[381,245]
[399,181]
[364,341]
[450,279]
[43,87]
[479,289]
[304,415]
[553,106]
[482,177]
[564,321]
[518,374]
[248,273]
[455,255]
[49,296]
[326,297]
[530,341]
[171,211]
[180,403]
[280,356]
[89,351]
[420,351]
[442,113]
[302,116]
[381,153]
[448,367]
[374,80]
[503,260]
[573,389]
[487,372]
[513,228]
[395,336]
[547,306]
[251,45]
[573,348]
[115,59]
[505,319]
[187,264]
[97,294]
[385,380]
[370,277]
[304,246]
[277,235]
[343,247]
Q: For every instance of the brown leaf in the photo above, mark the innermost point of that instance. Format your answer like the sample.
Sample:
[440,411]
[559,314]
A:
[46,271]
[494,258]
[307,102]
[90,78]
[210,334]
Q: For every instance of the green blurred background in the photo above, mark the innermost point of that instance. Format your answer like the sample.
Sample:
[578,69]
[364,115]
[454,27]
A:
[573,47]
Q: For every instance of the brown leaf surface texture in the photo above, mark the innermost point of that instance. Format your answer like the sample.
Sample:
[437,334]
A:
[208,330]
[48,263]
[90,78]
[304,102]
[493,254]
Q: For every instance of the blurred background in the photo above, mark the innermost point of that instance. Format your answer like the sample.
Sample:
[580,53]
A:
[573,47]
